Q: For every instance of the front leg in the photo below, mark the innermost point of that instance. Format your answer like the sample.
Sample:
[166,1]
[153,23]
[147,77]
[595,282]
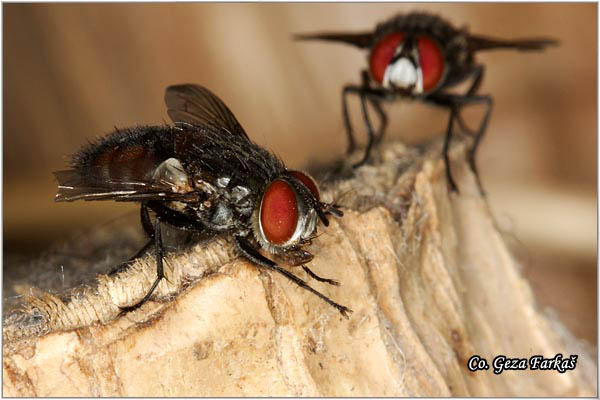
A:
[476,73]
[248,251]
[347,123]
[360,91]
[318,278]
[375,97]
[370,133]
[365,93]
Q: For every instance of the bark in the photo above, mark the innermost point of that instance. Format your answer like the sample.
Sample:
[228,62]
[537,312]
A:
[426,272]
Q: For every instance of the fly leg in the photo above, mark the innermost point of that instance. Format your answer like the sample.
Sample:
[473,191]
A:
[318,278]
[365,93]
[253,255]
[375,99]
[360,91]
[347,124]
[477,73]
[172,217]
[149,229]
[447,139]
[159,269]
[478,77]
[365,113]
[382,116]
[478,136]
[454,102]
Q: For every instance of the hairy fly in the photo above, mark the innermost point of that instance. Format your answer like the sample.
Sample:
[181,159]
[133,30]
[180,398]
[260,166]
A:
[203,174]
[420,56]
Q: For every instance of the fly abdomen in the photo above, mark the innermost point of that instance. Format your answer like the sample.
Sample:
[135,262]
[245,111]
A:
[127,155]
[124,163]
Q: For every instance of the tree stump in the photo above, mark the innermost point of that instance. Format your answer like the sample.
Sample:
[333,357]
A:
[426,272]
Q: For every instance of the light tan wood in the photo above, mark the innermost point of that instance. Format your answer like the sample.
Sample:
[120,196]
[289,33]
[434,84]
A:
[427,274]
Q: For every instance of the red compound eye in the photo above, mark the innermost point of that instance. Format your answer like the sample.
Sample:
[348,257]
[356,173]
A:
[432,62]
[279,212]
[382,55]
[308,181]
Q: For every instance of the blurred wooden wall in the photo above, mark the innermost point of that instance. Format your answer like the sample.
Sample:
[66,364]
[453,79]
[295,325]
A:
[73,71]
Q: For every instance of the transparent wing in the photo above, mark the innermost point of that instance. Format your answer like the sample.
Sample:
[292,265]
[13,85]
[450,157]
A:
[96,184]
[196,105]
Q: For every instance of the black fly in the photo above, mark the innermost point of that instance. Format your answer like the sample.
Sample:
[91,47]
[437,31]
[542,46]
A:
[206,176]
[420,56]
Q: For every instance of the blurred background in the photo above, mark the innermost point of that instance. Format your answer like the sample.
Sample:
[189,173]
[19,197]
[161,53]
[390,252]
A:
[75,71]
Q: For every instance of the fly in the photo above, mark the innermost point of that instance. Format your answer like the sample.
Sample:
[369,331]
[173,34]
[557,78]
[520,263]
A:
[420,56]
[203,174]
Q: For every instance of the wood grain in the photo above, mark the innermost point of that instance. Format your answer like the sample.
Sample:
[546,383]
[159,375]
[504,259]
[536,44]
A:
[426,272]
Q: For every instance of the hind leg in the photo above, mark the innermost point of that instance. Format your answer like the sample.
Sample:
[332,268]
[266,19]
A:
[158,245]
[454,102]
[149,229]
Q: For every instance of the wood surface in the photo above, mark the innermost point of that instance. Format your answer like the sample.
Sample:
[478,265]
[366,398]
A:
[426,272]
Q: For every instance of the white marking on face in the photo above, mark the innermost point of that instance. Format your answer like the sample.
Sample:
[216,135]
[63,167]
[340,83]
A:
[404,75]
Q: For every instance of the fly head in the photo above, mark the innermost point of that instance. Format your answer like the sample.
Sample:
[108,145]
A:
[286,218]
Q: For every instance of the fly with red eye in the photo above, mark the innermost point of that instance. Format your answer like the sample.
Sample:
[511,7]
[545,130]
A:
[429,60]
[420,56]
[288,209]
[204,175]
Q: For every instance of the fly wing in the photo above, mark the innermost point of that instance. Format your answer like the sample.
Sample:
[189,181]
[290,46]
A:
[73,185]
[479,43]
[196,105]
[360,40]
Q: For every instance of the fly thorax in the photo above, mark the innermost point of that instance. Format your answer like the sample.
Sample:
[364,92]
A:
[239,197]
[222,216]
[206,187]
[223,182]
[242,200]
[216,214]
